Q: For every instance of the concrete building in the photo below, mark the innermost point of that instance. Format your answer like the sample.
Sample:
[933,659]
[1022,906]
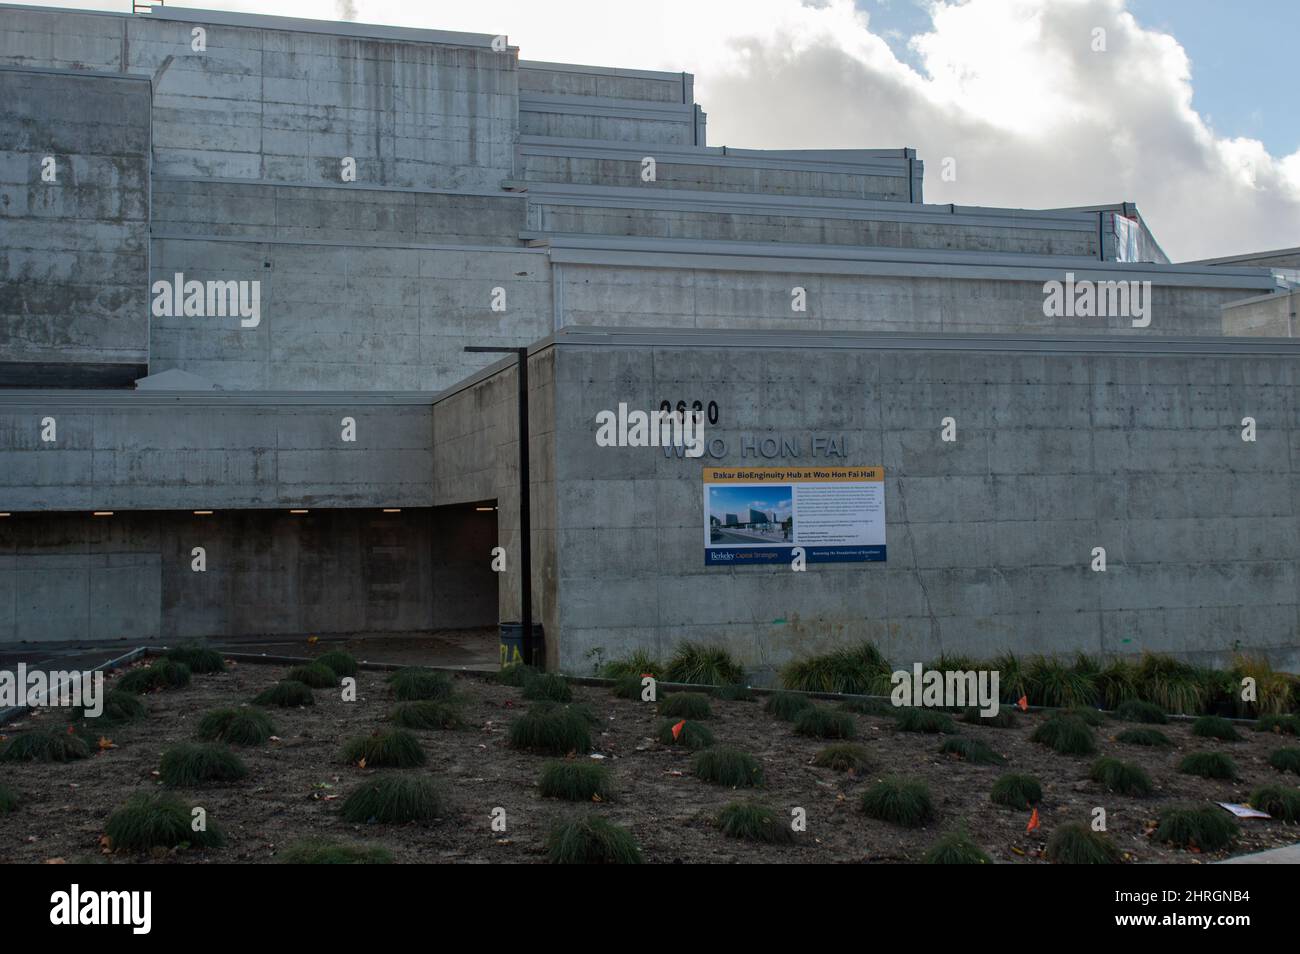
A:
[374,199]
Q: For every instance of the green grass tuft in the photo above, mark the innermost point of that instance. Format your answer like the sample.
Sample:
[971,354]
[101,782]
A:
[414,684]
[724,765]
[198,658]
[686,705]
[843,757]
[591,841]
[575,781]
[317,675]
[786,705]
[1088,715]
[856,670]
[327,851]
[1279,724]
[1004,718]
[956,848]
[427,714]
[286,694]
[1016,790]
[9,799]
[44,745]
[189,764]
[161,674]
[548,685]
[1117,683]
[628,687]
[1208,765]
[1280,802]
[119,709]
[158,820]
[1172,685]
[395,748]
[899,801]
[823,722]
[1123,778]
[754,822]
[1135,710]
[929,721]
[243,726]
[1065,735]
[1054,683]
[693,735]
[639,663]
[698,664]
[341,663]
[1074,843]
[1215,727]
[1285,760]
[393,799]
[970,750]
[1206,827]
[1149,737]
[551,730]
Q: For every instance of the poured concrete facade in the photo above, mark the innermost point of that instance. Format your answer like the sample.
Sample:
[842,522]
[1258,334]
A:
[397,195]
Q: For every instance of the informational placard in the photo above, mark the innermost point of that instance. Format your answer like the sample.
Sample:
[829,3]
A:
[755,515]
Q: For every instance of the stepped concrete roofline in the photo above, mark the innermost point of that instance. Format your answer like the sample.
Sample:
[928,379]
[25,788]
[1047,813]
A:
[915,341]
[371,31]
[603,70]
[644,252]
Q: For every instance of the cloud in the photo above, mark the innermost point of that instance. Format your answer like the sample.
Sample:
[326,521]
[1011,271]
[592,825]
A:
[1034,118]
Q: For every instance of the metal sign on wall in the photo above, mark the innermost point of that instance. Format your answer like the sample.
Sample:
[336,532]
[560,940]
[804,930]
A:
[758,515]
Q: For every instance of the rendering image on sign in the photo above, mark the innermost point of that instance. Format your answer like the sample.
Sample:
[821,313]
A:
[762,514]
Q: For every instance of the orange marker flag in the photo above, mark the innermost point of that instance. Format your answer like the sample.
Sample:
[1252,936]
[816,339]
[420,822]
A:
[1033,821]
[1023,702]
[677,729]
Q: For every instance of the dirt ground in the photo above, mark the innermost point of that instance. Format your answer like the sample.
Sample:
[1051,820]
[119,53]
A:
[296,784]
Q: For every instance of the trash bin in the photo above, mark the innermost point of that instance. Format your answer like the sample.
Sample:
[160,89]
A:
[514,651]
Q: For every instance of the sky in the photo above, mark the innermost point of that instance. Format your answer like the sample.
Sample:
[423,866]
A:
[1177,105]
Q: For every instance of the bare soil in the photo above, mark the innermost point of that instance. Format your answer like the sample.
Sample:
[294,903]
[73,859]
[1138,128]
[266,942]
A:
[297,783]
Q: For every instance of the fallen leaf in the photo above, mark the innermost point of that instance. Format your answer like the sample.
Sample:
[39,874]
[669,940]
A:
[105,743]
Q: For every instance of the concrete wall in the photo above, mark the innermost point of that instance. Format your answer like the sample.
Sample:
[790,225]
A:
[712,170]
[476,432]
[73,306]
[286,102]
[1272,316]
[627,296]
[130,577]
[829,227]
[990,538]
[351,316]
[149,451]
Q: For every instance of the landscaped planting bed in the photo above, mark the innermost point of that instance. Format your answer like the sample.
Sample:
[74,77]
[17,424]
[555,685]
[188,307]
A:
[294,785]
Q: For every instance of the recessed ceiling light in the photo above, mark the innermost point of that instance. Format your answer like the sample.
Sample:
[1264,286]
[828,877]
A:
[297,511]
[102,513]
[202,513]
